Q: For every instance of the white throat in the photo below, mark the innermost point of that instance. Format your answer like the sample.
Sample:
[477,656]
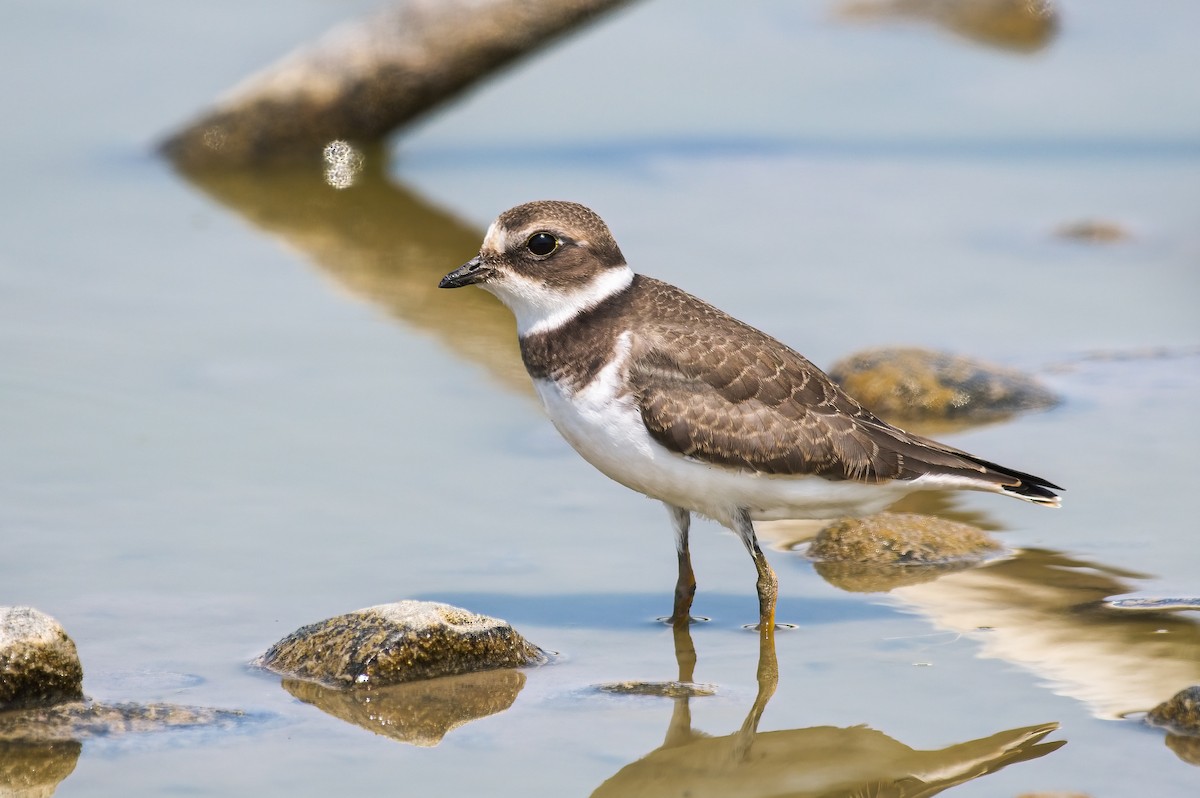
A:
[540,308]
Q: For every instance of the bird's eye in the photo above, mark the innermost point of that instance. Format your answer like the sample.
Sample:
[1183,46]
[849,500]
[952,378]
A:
[542,244]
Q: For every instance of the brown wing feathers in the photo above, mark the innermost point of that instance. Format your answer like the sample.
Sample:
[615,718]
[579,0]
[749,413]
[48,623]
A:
[722,392]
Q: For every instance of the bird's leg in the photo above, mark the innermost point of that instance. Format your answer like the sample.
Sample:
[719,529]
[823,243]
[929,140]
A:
[768,584]
[685,586]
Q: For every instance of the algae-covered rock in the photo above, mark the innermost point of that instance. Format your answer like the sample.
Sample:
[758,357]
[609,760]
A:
[911,384]
[1180,713]
[658,689]
[79,720]
[903,538]
[889,550]
[1093,231]
[1017,25]
[418,713]
[401,642]
[39,665]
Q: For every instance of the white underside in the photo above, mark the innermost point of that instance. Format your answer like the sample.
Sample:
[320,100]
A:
[603,424]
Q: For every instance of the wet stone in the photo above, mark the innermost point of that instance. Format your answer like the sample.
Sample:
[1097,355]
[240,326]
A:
[39,665]
[1018,25]
[79,720]
[401,642]
[911,384]
[1179,714]
[1093,231]
[658,689]
[901,538]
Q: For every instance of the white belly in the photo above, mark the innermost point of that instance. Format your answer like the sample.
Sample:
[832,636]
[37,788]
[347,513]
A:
[605,427]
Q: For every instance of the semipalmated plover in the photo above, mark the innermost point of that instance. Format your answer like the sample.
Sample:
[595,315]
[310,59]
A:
[677,400]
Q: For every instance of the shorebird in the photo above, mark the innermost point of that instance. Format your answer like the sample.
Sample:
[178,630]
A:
[680,401]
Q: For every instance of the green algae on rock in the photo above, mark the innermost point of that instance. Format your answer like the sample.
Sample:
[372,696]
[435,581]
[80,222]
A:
[39,665]
[889,550]
[901,538]
[1179,714]
[80,720]
[1023,26]
[401,642]
[658,689]
[912,384]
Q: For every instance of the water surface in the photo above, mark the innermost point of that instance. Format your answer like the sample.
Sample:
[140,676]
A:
[233,406]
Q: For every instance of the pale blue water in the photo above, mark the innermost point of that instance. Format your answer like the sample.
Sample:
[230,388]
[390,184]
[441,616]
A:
[214,431]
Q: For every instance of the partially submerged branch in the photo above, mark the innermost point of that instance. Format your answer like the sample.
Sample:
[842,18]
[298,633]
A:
[368,77]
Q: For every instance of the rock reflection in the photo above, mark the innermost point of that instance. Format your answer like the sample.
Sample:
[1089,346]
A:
[418,713]
[1047,611]
[384,244]
[35,768]
[822,761]
[40,746]
[1019,25]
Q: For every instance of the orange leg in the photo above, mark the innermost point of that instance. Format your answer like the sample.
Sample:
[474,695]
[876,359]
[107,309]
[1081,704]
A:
[768,583]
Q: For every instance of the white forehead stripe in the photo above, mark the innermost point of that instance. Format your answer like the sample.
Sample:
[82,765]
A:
[494,240]
[540,309]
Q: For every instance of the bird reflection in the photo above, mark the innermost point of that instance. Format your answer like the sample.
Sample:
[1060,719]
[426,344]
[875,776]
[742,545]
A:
[822,761]
[1048,612]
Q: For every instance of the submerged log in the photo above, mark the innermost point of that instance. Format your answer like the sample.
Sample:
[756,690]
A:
[368,77]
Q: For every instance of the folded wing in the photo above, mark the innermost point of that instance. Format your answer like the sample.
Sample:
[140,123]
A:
[748,402]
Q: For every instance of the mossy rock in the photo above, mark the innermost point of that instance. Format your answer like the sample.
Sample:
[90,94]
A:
[1180,713]
[901,539]
[39,665]
[395,643]
[911,384]
[80,720]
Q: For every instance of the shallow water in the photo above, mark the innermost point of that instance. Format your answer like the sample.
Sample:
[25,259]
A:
[234,406]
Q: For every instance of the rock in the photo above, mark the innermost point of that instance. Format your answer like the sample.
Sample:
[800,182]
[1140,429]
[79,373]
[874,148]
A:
[39,665]
[1093,231]
[910,384]
[79,720]
[658,689]
[1179,714]
[901,538]
[417,713]
[889,550]
[401,642]
[1017,25]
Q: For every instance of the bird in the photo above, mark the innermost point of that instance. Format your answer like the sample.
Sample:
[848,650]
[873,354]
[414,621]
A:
[677,400]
